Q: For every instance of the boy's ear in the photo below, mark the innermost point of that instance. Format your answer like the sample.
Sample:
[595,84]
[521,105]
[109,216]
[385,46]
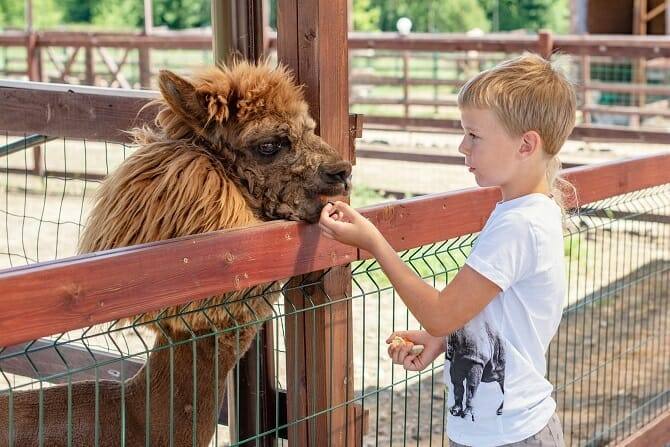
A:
[196,106]
[530,142]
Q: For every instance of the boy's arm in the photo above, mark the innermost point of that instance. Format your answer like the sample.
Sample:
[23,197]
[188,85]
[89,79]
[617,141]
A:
[439,312]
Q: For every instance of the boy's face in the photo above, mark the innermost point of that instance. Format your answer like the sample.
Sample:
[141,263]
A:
[490,152]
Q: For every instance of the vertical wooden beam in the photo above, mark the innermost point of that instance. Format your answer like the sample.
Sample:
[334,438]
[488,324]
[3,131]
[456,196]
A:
[144,53]
[640,64]
[238,30]
[545,43]
[312,41]
[89,60]
[405,82]
[34,74]
[586,79]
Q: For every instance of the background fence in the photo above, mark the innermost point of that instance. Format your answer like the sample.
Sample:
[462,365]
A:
[407,82]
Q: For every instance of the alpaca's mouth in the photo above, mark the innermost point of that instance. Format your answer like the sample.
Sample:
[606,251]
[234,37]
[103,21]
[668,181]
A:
[340,189]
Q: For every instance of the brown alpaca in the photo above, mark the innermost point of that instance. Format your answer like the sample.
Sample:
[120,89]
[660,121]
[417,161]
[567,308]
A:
[232,147]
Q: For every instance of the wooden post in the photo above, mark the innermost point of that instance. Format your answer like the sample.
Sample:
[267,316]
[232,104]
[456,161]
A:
[89,60]
[586,79]
[405,82]
[144,53]
[312,41]
[639,65]
[34,74]
[545,43]
[237,28]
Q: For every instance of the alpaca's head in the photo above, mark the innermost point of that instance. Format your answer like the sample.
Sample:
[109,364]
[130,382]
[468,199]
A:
[256,121]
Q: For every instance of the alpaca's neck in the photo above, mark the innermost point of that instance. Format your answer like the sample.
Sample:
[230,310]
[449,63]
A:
[169,371]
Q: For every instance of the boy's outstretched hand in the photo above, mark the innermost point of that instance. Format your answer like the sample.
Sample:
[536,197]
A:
[341,222]
[403,349]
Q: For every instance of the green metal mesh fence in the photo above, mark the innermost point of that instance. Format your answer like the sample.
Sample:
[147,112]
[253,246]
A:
[609,361]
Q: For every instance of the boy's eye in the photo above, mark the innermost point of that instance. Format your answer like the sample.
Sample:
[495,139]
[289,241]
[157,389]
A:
[472,135]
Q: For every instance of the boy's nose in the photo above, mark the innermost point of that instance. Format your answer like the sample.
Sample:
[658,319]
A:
[462,148]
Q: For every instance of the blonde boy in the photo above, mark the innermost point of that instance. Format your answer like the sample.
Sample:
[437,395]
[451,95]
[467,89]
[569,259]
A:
[495,319]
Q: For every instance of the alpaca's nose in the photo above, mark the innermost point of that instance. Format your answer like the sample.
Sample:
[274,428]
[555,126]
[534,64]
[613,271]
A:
[337,172]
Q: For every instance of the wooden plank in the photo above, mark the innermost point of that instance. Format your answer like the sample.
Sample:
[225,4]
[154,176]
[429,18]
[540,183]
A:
[356,79]
[600,133]
[597,182]
[411,223]
[61,362]
[184,40]
[99,113]
[63,110]
[655,433]
[620,87]
[619,134]
[422,158]
[313,43]
[624,110]
[595,45]
[53,297]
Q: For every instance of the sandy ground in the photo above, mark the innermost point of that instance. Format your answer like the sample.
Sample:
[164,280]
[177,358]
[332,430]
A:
[608,358]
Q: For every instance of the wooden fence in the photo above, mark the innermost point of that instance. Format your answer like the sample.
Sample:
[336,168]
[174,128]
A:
[80,294]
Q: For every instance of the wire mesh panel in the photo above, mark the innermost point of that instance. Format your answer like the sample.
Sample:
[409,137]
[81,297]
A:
[47,185]
[130,383]
[608,362]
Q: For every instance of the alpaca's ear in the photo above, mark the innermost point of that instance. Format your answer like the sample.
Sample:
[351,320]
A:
[183,98]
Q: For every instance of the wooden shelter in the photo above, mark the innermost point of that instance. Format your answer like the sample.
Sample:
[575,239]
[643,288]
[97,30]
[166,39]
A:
[647,17]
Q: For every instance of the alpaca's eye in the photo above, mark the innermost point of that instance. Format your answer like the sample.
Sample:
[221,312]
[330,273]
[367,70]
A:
[271,148]
[268,148]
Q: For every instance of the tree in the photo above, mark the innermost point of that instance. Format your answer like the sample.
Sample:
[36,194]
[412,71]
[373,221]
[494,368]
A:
[433,15]
[531,15]
[78,11]
[45,14]
[11,14]
[180,14]
[119,14]
[366,16]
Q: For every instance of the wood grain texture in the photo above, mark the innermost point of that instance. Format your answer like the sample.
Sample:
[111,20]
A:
[655,433]
[53,297]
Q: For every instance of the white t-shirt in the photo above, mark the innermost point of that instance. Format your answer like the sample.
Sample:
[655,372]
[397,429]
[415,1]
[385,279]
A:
[496,362]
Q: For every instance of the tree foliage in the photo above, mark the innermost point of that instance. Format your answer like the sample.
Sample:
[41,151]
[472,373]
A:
[368,15]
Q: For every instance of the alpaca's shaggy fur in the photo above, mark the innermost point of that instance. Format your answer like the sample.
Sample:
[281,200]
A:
[231,147]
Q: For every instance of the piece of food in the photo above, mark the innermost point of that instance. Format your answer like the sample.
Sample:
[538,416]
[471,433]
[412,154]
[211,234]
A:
[399,341]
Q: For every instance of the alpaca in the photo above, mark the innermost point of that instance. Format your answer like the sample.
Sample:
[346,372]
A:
[232,146]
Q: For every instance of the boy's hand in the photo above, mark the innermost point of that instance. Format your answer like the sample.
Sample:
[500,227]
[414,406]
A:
[341,222]
[403,349]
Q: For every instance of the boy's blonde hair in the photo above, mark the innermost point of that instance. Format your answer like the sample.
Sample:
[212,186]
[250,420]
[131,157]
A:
[528,93]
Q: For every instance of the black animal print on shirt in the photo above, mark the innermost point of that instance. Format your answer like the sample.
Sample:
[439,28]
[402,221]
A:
[477,354]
